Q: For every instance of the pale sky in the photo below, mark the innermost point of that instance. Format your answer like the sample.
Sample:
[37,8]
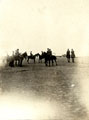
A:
[35,25]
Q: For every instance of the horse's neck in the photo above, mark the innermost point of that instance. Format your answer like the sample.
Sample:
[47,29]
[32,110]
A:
[36,55]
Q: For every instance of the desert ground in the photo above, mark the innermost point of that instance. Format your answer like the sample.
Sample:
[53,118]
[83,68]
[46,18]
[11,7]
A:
[37,92]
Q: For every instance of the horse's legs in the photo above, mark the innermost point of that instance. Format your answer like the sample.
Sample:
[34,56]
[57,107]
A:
[34,60]
[46,62]
[41,60]
[56,62]
[52,62]
[28,60]
[49,63]
[21,63]
[15,63]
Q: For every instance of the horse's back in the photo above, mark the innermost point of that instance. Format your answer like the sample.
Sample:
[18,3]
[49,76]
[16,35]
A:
[54,57]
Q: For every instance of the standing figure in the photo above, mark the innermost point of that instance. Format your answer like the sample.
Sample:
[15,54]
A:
[68,55]
[72,55]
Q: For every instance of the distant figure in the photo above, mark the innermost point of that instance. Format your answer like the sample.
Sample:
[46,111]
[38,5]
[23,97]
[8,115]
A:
[31,53]
[68,55]
[72,55]
[49,52]
[17,52]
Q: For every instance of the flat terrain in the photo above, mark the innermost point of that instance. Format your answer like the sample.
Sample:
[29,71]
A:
[37,92]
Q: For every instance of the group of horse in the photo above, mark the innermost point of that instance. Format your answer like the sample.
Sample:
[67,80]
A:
[18,60]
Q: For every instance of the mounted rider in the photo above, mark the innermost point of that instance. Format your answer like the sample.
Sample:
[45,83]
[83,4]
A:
[17,52]
[31,53]
[49,52]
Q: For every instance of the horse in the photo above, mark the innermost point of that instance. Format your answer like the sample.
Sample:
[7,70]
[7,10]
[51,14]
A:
[17,60]
[49,58]
[42,56]
[33,57]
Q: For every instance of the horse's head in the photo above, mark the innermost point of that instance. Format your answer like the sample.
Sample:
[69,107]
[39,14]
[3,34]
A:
[24,55]
[44,54]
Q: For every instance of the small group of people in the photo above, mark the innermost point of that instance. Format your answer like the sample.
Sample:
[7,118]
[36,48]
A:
[70,54]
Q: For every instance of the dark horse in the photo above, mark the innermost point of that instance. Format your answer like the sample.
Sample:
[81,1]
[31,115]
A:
[17,60]
[49,58]
[33,57]
[41,57]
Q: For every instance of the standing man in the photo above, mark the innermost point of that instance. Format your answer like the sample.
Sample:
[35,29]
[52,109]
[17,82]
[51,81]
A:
[72,55]
[68,55]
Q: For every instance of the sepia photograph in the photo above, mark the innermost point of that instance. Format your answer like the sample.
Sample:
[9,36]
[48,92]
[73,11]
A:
[44,60]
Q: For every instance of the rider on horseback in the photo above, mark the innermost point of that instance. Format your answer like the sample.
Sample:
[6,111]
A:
[17,52]
[49,57]
[49,52]
[31,53]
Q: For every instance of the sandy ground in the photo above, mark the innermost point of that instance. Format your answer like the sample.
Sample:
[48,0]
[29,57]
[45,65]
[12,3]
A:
[37,92]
